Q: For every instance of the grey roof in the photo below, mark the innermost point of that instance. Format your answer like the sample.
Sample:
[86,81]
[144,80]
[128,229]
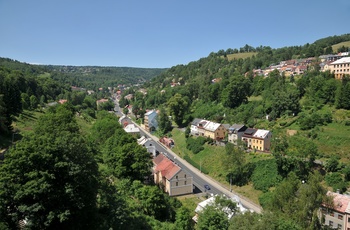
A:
[249,131]
[196,121]
[238,127]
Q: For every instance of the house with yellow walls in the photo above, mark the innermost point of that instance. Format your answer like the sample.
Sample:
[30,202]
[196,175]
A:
[261,140]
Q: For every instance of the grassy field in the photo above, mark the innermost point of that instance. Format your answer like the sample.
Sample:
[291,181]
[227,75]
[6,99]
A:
[240,55]
[210,160]
[337,46]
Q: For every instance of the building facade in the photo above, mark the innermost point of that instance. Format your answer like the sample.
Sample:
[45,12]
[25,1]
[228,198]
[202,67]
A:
[235,133]
[150,121]
[261,140]
[337,216]
[171,177]
[340,68]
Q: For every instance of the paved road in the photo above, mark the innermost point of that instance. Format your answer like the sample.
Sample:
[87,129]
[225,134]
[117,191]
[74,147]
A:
[199,178]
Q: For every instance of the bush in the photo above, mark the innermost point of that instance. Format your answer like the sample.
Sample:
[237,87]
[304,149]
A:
[335,180]
[195,144]
[265,175]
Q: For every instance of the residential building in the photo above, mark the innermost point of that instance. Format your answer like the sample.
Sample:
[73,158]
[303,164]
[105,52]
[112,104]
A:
[132,129]
[340,68]
[123,120]
[235,133]
[261,140]
[168,142]
[174,180]
[148,143]
[337,216]
[194,126]
[150,121]
[248,136]
[201,129]
[215,131]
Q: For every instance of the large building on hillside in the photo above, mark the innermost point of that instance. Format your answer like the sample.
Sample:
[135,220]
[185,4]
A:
[174,180]
[340,68]
[150,121]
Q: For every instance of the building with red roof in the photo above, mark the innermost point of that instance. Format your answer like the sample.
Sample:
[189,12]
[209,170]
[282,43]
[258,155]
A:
[171,177]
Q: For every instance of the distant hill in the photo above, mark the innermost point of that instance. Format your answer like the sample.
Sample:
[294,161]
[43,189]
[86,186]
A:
[86,76]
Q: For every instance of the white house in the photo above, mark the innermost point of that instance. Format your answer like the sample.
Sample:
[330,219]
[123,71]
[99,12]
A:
[148,143]
[132,129]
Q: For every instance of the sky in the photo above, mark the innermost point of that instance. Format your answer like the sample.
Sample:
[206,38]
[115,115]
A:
[158,33]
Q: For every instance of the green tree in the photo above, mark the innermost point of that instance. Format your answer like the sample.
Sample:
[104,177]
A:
[4,123]
[164,123]
[342,100]
[211,218]
[234,162]
[33,102]
[25,101]
[49,179]
[183,219]
[236,92]
[104,127]
[178,107]
[125,158]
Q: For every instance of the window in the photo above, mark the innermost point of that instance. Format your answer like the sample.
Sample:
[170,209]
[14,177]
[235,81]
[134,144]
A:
[177,183]
[331,213]
[331,223]
[340,226]
[340,217]
[185,176]
[348,219]
[177,177]
[185,182]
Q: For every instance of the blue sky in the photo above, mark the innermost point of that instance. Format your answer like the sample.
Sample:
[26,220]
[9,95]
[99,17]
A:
[158,34]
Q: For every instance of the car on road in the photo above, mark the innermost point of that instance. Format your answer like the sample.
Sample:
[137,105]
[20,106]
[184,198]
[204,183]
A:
[207,187]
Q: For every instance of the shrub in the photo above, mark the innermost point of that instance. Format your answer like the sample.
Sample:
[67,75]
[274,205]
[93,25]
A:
[335,180]
[195,144]
[265,175]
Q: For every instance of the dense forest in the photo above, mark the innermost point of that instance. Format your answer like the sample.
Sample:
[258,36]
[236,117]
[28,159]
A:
[63,176]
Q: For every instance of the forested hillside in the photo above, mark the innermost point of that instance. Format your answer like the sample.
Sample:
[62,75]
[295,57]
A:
[74,167]
[93,77]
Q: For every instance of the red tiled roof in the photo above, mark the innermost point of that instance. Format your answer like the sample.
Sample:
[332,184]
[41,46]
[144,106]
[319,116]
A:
[165,166]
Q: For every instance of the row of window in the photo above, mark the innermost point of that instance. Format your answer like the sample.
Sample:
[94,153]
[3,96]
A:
[341,65]
[341,70]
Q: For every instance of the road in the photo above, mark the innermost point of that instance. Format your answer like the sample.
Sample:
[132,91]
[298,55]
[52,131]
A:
[199,179]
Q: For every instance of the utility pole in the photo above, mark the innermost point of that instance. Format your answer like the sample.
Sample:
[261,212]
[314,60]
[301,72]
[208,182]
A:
[200,165]
[230,183]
